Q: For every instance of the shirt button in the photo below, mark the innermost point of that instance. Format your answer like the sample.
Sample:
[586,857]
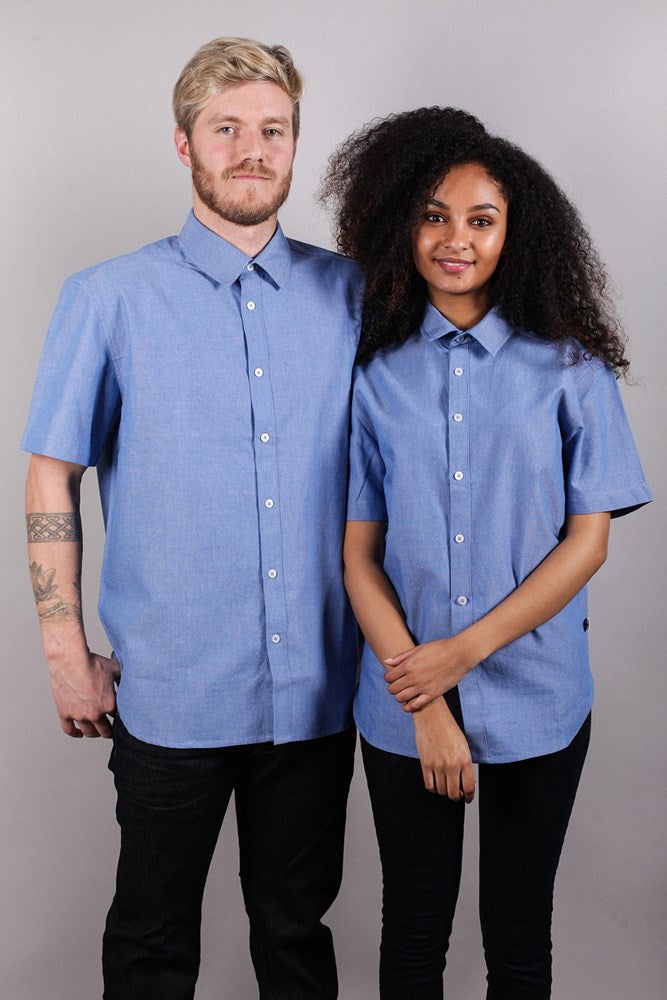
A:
[250,267]
[275,638]
[458,476]
[259,372]
[268,503]
[460,339]
[272,574]
[458,371]
[250,306]
[264,437]
[459,538]
[458,417]
[462,600]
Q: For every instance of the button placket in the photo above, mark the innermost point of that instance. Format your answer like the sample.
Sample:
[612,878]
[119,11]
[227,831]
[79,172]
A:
[266,469]
[460,482]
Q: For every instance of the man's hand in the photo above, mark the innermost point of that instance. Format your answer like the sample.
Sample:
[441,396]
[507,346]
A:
[84,693]
[420,675]
[444,753]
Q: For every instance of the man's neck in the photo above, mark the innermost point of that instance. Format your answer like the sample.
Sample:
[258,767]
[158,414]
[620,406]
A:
[248,239]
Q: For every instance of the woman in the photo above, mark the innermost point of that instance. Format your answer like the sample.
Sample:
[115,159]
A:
[489,449]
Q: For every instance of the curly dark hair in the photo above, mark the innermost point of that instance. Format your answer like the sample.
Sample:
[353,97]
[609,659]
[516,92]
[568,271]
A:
[549,279]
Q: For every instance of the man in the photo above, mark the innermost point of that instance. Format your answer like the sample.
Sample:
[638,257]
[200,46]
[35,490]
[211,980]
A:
[207,377]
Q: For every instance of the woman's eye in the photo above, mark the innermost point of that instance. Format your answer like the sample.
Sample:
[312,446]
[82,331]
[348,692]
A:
[481,223]
[434,217]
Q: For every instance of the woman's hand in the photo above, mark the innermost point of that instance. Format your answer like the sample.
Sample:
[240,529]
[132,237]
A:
[420,675]
[444,753]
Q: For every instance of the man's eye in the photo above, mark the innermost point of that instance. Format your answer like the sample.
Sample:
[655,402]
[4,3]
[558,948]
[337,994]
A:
[226,129]
[272,132]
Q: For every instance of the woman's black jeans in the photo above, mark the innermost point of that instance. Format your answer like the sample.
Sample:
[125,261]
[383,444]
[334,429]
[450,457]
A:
[290,807]
[524,810]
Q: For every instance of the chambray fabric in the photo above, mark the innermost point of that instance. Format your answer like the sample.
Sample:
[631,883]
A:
[212,392]
[474,447]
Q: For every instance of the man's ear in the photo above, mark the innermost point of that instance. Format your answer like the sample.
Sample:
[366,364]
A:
[182,146]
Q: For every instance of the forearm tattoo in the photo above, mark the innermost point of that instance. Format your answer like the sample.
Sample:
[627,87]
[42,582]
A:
[65,527]
[51,607]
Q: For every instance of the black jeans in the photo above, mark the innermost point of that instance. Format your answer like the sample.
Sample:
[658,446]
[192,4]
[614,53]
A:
[524,810]
[290,805]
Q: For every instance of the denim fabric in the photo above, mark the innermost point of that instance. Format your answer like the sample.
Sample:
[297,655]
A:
[290,805]
[212,391]
[475,447]
[524,810]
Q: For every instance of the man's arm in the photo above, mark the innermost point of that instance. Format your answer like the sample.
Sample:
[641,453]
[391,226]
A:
[82,682]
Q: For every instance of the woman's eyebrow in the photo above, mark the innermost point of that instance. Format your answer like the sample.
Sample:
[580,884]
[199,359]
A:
[488,207]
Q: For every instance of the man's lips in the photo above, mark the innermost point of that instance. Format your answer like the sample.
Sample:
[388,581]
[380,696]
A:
[453,265]
[250,177]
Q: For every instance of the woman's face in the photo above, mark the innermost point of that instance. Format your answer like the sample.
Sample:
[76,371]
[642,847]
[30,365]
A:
[458,241]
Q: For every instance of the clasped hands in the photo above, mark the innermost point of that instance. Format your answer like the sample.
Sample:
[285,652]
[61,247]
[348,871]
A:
[419,675]
[417,678]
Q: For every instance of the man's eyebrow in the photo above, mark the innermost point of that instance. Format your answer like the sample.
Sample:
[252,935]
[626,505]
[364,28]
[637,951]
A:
[487,207]
[219,118]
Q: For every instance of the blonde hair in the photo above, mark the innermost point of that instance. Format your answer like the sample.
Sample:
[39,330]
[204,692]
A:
[228,61]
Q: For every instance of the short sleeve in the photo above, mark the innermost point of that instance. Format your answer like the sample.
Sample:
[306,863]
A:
[76,399]
[602,468]
[365,493]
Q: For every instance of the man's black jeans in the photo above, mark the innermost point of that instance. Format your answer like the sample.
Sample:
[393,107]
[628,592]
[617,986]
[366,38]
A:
[524,809]
[290,805]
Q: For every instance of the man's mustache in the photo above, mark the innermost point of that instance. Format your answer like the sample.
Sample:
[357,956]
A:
[248,167]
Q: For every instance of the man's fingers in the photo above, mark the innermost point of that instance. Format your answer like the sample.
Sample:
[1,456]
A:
[78,728]
[87,728]
[68,727]
[104,728]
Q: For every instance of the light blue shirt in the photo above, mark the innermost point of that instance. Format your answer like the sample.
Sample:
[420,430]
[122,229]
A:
[212,391]
[474,447]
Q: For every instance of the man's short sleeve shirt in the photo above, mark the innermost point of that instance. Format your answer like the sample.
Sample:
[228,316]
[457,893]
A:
[212,392]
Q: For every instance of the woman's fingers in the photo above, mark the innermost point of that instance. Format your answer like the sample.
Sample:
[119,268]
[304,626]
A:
[468,782]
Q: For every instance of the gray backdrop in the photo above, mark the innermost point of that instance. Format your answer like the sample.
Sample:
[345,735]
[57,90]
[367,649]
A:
[89,172]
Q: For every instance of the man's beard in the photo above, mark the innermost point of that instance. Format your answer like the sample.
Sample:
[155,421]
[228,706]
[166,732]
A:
[242,211]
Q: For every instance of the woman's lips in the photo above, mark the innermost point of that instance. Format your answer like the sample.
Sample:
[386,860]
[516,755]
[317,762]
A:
[453,265]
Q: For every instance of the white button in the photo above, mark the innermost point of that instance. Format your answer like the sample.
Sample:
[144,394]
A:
[268,503]
[265,437]
[250,306]
[462,600]
[259,372]
[461,339]
[458,476]
[459,538]
[458,417]
[275,638]
[458,371]
[272,574]
[250,267]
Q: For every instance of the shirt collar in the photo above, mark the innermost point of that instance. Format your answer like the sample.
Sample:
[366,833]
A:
[491,332]
[224,262]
